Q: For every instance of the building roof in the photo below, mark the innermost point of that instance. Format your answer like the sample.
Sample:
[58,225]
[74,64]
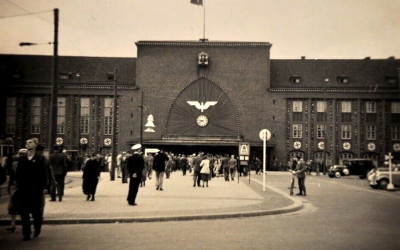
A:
[72,69]
[330,73]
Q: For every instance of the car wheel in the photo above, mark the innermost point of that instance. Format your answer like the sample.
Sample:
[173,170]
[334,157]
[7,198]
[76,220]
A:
[331,175]
[383,184]
[338,174]
[374,186]
[346,172]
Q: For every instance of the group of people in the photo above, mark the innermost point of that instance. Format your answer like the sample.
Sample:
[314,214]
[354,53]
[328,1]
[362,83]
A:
[299,169]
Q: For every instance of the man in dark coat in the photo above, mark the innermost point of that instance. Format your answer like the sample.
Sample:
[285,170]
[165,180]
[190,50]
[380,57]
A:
[301,176]
[196,169]
[58,163]
[31,178]
[159,164]
[135,168]
[91,176]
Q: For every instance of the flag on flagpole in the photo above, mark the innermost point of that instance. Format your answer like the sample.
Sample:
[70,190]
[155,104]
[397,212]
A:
[197,2]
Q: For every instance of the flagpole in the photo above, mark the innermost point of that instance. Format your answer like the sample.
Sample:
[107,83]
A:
[204,21]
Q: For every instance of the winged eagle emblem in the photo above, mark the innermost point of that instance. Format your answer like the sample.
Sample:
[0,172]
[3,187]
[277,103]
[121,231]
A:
[201,105]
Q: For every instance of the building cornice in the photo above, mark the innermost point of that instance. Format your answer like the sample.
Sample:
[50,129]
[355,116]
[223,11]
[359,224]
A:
[202,44]
[333,90]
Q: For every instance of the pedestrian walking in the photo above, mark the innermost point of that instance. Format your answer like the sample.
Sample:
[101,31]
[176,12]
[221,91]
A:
[232,167]
[184,164]
[119,157]
[301,176]
[144,174]
[58,164]
[159,164]
[135,168]
[257,164]
[12,188]
[124,168]
[205,170]
[196,169]
[149,165]
[31,178]
[91,176]
[225,166]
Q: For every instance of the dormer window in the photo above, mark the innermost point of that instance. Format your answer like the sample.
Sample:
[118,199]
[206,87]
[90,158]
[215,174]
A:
[391,79]
[295,79]
[65,75]
[203,59]
[110,76]
[343,79]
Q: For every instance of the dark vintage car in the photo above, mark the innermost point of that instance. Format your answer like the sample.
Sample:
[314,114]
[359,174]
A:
[359,167]
[338,171]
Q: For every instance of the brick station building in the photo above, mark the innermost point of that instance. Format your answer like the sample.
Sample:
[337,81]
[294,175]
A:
[210,96]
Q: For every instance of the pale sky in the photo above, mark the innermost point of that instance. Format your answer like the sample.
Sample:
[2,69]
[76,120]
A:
[317,29]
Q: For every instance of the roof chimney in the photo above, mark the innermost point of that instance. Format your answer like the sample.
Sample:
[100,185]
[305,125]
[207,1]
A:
[303,57]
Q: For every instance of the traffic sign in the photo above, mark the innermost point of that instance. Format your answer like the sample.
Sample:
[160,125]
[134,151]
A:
[244,148]
[267,134]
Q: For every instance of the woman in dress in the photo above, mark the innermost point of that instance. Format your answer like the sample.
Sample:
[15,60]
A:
[91,175]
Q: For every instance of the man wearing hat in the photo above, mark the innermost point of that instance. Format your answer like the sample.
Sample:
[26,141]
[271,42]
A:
[31,179]
[135,167]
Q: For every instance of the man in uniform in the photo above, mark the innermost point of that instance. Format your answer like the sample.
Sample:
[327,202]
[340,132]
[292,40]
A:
[135,167]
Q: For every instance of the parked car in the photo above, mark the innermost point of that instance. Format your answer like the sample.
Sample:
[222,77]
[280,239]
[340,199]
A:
[379,178]
[359,167]
[338,171]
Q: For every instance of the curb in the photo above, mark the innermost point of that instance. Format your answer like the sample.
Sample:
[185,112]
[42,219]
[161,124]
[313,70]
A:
[296,206]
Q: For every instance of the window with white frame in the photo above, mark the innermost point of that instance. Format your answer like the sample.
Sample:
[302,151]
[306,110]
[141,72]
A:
[85,115]
[321,131]
[36,114]
[11,115]
[321,106]
[297,130]
[370,107]
[395,107]
[61,115]
[108,116]
[371,132]
[395,132]
[346,131]
[297,106]
[346,107]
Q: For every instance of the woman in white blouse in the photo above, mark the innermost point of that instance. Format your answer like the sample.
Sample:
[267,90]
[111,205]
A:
[205,170]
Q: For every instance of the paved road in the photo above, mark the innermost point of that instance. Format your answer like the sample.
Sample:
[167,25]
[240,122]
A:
[339,214]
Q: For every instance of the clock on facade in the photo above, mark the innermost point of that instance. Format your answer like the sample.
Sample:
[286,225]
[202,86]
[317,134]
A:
[202,120]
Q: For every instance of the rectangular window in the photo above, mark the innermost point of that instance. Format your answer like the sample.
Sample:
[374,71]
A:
[346,117]
[371,118]
[297,130]
[85,115]
[346,131]
[36,114]
[297,106]
[370,107]
[321,106]
[396,133]
[395,107]
[297,117]
[108,116]
[61,115]
[346,107]
[321,131]
[11,115]
[371,132]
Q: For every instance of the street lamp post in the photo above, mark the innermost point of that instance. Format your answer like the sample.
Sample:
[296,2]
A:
[53,105]
[326,127]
